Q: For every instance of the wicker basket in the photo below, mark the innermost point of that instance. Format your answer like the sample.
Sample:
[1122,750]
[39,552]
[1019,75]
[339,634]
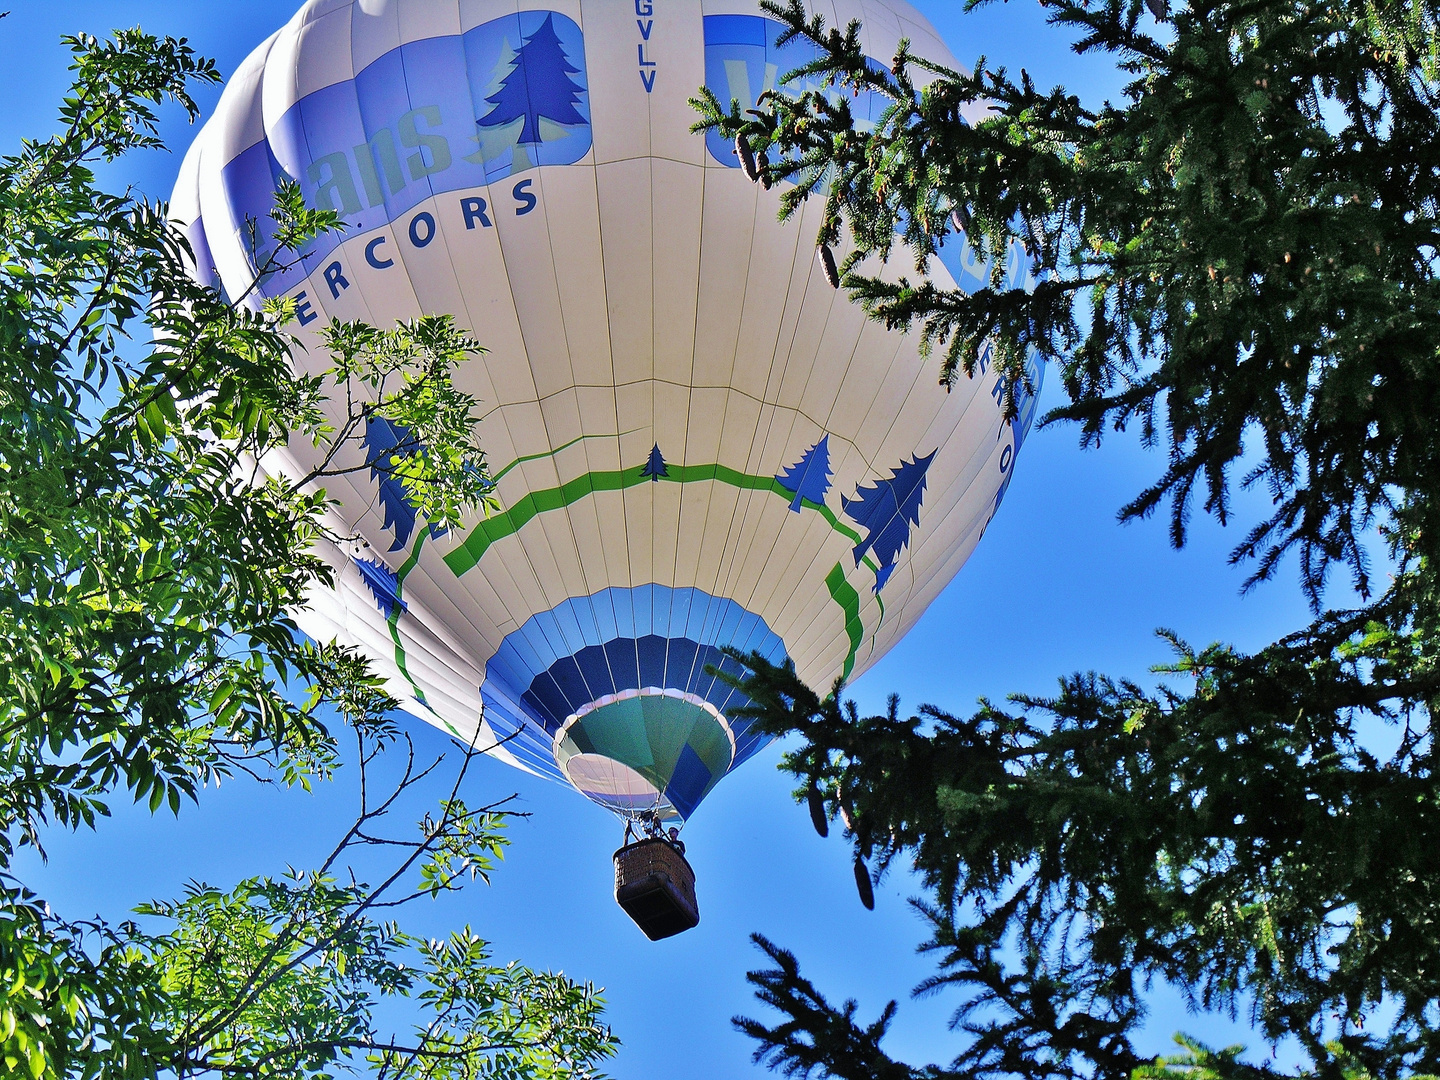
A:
[656,887]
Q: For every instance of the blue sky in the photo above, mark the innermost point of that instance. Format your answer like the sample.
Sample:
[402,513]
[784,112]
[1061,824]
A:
[1056,586]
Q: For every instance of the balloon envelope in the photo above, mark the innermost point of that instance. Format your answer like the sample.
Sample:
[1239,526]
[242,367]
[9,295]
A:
[698,442]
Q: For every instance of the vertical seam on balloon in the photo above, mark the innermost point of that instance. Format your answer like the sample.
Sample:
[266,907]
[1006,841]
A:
[575,397]
[723,568]
[799,233]
[728,568]
[752,461]
[500,246]
[614,389]
[420,307]
[776,389]
[689,392]
[500,235]
[654,392]
[526,561]
[794,330]
[735,565]
[694,343]
[514,307]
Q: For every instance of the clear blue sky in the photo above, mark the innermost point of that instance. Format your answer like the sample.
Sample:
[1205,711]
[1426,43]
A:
[1056,586]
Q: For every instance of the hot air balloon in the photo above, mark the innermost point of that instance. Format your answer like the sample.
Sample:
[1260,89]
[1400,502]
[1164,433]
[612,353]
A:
[698,441]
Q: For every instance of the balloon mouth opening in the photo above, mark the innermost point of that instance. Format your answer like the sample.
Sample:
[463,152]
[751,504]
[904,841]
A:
[653,751]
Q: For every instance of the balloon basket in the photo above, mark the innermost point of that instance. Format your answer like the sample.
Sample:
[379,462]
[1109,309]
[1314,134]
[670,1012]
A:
[656,887]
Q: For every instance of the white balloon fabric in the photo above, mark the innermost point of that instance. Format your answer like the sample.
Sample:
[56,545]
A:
[698,442]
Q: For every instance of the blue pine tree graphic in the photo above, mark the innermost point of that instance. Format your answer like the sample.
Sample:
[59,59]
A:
[808,478]
[537,87]
[887,510]
[382,442]
[655,467]
[384,584]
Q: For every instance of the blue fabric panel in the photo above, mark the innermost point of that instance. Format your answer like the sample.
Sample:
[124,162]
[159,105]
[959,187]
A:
[602,610]
[566,673]
[383,100]
[680,664]
[329,122]
[688,613]
[571,635]
[200,248]
[596,670]
[435,75]
[688,782]
[681,601]
[727,696]
[735,30]
[594,622]
[527,744]
[525,652]
[702,683]
[550,704]
[731,624]
[504,668]
[624,663]
[551,666]
[643,604]
[652,660]
[249,182]
[543,634]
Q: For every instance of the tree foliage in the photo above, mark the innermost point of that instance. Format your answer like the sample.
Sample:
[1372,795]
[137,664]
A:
[1242,247]
[1238,257]
[150,549]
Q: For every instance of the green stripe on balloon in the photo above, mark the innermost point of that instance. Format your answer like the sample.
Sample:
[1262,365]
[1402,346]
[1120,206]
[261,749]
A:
[394,618]
[844,594]
[507,523]
[527,507]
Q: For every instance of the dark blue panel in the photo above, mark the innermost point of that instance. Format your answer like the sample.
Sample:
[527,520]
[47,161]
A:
[680,664]
[726,696]
[706,685]
[566,674]
[548,702]
[651,648]
[729,700]
[624,663]
[688,782]
[747,748]
[596,670]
